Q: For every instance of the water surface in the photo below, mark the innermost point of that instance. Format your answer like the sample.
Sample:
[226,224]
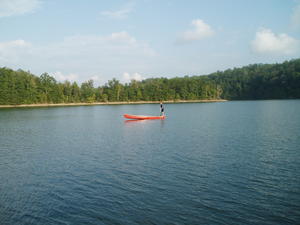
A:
[207,163]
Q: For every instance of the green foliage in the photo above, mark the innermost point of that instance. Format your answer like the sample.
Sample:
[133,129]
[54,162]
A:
[88,92]
[258,81]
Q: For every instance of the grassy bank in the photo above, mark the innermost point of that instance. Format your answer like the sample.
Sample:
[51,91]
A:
[107,103]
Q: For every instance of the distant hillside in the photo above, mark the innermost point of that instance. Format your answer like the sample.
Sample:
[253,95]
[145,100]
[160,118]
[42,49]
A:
[258,81]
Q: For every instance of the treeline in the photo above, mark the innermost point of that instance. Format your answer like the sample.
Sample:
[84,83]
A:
[258,81]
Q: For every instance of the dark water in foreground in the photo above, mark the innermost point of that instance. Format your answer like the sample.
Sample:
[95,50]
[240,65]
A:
[208,163]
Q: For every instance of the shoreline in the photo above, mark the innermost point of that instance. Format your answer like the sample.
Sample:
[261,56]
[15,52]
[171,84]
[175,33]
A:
[108,103]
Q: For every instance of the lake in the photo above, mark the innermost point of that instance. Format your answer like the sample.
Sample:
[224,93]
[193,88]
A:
[234,162]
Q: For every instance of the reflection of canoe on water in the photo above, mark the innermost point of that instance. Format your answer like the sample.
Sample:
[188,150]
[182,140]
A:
[139,117]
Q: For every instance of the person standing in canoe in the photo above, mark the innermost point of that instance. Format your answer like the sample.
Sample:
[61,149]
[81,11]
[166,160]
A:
[162,109]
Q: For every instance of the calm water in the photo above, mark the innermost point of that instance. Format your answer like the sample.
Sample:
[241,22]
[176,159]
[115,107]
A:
[207,163]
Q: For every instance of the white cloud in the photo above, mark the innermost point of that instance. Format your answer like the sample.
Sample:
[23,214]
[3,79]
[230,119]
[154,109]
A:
[135,76]
[266,42]
[12,51]
[111,47]
[295,19]
[59,76]
[14,44]
[98,80]
[83,55]
[95,78]
[121,37]
[17,7]
[200,31]
[119,14]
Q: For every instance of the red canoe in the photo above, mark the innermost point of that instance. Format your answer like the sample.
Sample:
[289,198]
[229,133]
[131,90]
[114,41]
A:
[139,117]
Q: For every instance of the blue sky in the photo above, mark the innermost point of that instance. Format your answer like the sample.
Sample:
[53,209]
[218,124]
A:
[78,40]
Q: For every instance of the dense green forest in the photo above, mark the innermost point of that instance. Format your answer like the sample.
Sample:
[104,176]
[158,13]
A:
[258,81]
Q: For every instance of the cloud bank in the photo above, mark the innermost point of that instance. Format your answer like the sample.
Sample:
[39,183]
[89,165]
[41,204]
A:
[266,42]
[59,76]
[17,7]
[122,13]
[199,31]
[135,76]
[84,55]
[12,51]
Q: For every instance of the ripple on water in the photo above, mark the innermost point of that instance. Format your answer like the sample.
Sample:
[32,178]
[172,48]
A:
[229,163]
